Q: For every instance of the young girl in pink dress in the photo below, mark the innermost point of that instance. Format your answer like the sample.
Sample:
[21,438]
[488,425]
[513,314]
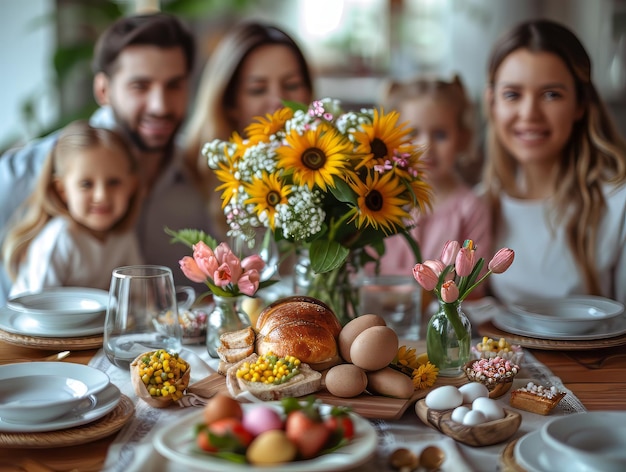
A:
[441,116]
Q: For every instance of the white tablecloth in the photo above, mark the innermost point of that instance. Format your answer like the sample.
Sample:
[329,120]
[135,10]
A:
[132,449]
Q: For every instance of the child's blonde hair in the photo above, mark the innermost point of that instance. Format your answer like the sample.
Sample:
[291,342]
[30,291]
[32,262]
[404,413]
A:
[45,202]
[453,93]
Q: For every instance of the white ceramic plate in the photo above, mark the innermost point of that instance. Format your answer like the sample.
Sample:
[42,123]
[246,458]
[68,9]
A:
[607,329]
[532,454]
[17,322]
[176,442]
[571,316]
[93,408]
[39,398]
[95,379]
[595,439]
[62,307]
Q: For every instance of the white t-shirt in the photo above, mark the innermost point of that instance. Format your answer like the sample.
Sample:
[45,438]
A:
[64,255]
[544,266]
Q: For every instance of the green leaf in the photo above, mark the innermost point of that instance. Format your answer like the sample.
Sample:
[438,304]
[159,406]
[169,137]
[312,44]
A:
[189,237]
[327,255]
[295,106]
[342,192]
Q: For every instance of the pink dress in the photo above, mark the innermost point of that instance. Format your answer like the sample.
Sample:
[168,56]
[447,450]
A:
[463,215]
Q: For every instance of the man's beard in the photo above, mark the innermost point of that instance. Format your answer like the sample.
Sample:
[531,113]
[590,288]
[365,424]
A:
[137,141]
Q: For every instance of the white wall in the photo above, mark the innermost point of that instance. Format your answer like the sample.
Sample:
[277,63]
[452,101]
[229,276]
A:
[25,57]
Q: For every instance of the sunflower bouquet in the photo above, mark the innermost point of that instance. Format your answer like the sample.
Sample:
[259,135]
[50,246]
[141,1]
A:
[327,180]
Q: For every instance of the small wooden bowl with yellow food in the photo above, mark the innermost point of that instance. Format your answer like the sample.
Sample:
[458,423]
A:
[159,377]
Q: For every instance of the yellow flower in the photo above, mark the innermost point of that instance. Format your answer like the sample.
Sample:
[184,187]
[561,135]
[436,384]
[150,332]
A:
[406,358]
[230,184]
[379,141]
[268,125]
[315,156]
[425,376]
[266,193]
[379,203]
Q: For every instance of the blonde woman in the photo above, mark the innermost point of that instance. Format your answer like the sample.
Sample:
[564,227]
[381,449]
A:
[253,69]
[79,221]
[556,169]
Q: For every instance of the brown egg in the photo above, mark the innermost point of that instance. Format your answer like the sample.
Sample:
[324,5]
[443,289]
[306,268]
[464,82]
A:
[374,348]
[221,406]
[346,380]
[352,329]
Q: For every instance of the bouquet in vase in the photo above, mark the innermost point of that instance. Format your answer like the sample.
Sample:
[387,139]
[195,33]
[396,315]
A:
[331,182]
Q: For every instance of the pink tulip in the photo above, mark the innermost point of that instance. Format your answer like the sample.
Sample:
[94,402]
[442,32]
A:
[425,276]
[222,276]
[449,252]
[449,292]
[249,282]
[253,262]
[225,255]
[205,258]
[464,261]
[191,270]
[436,265]
[502,260]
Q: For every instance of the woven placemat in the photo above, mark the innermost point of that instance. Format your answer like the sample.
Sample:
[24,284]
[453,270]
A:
[488,329]
[36,342]
[100,428]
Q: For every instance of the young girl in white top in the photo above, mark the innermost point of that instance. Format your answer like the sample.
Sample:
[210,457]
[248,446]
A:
[440,114]
[556,169]
[78,222]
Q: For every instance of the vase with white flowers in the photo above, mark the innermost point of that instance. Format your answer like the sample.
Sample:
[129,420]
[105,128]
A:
[329,182]
[451,279]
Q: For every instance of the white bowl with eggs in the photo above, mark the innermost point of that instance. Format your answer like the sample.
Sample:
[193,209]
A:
[595,439]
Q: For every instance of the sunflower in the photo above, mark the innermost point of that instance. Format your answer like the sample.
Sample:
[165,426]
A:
[266,193]
[425,376]
[267,126]
[225,174]
[379,202]
[378,141]
[315,156]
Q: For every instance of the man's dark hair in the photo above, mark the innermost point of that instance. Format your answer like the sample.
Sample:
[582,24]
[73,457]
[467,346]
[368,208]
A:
[155,29]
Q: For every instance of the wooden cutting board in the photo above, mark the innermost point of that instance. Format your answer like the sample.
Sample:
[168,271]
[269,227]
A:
[366,405]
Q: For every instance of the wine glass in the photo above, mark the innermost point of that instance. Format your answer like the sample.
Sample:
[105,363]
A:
[142,314]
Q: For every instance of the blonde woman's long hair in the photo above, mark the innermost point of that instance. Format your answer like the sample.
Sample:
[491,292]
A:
[595,154]
[210,118]
[46,203]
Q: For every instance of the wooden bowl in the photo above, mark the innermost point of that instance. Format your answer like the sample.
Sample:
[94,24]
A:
[486,434]
[497,388]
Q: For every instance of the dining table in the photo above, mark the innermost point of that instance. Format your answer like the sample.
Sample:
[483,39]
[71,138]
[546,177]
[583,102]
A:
[593,378]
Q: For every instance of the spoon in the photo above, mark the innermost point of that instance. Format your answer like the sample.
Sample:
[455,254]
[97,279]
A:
[54,357]
[404,460]
[432,458]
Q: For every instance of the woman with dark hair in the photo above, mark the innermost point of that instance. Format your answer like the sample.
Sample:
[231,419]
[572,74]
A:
[253,69]
[555,172]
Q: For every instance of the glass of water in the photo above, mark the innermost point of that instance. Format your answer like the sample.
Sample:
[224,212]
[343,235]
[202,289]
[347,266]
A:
[142,314]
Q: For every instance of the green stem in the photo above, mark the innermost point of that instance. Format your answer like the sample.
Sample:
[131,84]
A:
[469,290]
[452,313]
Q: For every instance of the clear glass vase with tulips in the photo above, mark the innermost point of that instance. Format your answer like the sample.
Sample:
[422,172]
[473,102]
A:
[451,279]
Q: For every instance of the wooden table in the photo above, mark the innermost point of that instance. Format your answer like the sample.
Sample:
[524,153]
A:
[601,388]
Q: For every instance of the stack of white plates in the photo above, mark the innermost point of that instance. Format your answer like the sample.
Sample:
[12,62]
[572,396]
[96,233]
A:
[576,318]
[581,442]
[50,396]
[56,312]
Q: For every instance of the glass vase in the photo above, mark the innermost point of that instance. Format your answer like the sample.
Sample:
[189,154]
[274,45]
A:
[448,339]
[336,288]
[226,316]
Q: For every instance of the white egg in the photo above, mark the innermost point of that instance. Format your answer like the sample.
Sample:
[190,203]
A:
[445,397]
[489,407]
[472,391]
[459,413]
[474,417]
